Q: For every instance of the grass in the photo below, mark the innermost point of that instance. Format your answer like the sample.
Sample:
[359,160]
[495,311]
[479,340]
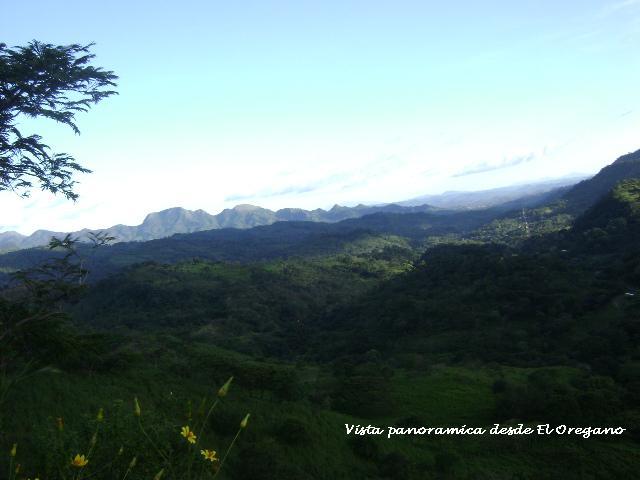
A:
[168,393]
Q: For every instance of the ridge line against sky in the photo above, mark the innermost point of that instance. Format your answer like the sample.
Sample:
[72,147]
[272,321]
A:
[309,104]
[551,183]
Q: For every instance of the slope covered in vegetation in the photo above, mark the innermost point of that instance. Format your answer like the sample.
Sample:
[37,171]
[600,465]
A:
[357,323]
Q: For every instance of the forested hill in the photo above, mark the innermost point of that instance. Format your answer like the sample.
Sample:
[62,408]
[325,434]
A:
[295,238]
[571,297]
[279,240]
[359,291]
[620,208]
[179,220]
[587,192]
[389,319]
[559,213]
[489,302]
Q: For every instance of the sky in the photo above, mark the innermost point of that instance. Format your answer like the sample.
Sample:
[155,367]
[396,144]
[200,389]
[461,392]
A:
[310,104]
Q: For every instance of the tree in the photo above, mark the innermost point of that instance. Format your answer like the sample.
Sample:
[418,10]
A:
[55,82]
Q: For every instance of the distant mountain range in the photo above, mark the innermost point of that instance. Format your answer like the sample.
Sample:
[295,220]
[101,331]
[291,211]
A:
[363,228]
[179,220]
[531,193]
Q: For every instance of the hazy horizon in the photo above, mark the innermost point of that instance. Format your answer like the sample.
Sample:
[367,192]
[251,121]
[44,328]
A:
[289,104]
[567,179]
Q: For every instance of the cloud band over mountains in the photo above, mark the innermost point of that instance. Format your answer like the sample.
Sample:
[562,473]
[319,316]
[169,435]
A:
[488,167]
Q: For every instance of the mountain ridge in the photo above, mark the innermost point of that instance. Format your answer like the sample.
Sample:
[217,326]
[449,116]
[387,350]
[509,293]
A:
[587,192]
[454,199]
[176,220]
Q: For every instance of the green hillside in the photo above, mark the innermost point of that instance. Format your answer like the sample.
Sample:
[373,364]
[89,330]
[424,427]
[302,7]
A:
[389,320]
[280,240]
[559,214]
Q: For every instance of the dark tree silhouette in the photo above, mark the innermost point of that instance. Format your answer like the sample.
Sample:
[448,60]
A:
[55,82]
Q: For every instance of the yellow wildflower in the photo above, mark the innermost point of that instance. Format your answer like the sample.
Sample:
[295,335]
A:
[100,416]
[14,450]
[79,461]
[188,434]
[209,455]
[224,389]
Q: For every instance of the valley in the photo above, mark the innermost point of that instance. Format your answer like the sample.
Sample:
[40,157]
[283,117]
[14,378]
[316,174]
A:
[427,318]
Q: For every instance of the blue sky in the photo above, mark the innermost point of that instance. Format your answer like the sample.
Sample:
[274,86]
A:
[308,104]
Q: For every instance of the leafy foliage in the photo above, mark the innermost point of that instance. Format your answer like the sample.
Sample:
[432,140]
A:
[54,82]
